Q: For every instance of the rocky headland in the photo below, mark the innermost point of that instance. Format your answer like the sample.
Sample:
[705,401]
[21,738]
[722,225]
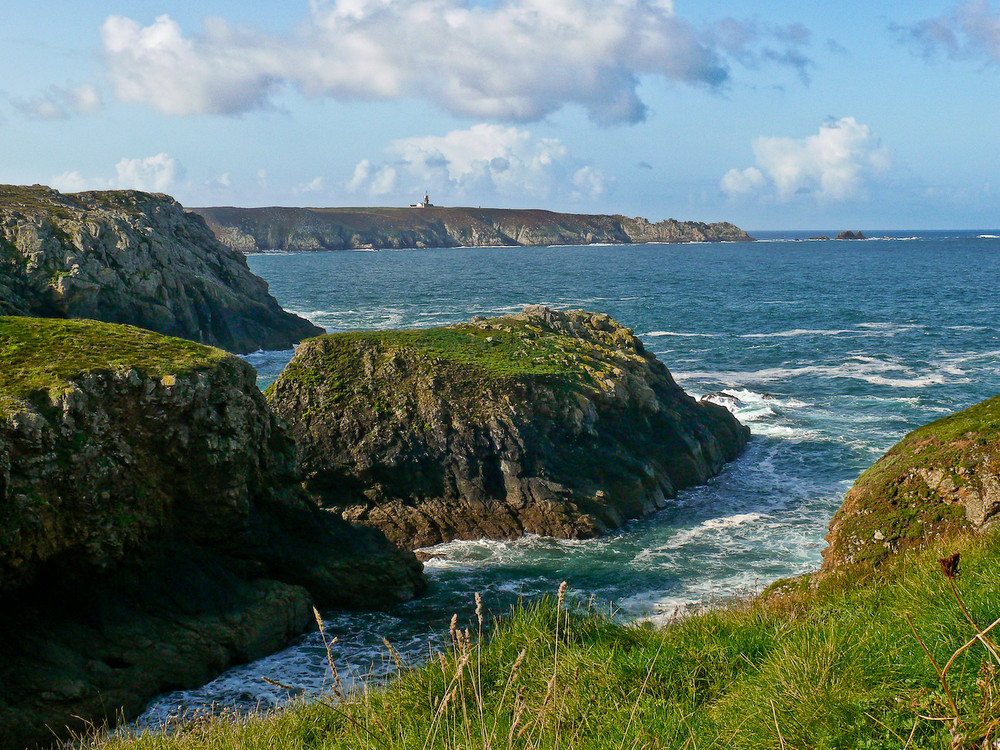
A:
[253,230]
[941,479]
[153,527]
[136,258]
[545,422]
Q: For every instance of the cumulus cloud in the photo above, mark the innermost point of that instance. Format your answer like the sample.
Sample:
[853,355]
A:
[480,163]
[970,30]
[61,103]
[835,164]
[155,174]
[516,60]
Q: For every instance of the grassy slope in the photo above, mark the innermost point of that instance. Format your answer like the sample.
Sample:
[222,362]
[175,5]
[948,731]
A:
[42,354]
[833,665]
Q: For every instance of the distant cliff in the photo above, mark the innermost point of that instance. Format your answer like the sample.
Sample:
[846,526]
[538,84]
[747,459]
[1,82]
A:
[122,256]
[546,422]
[253,230]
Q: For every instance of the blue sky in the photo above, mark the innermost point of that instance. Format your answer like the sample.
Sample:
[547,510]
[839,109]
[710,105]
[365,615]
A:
[773,115]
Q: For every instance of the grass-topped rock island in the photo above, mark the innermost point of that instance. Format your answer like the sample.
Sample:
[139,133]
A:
[545,422]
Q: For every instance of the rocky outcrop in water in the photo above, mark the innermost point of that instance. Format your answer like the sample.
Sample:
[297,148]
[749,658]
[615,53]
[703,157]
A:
[942,478]
[849,235]
[546,422]
[252,230]
[153,529]
[131,257]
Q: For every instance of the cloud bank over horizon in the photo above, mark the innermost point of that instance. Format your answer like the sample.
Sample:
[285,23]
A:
[482,162]
[516,61]
[836,164]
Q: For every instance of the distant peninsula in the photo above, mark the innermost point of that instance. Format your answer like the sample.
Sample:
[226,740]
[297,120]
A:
[255,230]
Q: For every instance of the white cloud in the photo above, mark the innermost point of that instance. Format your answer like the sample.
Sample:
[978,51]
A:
[157,174]
[835,164]
[516,60]
[61,103]
[480,163]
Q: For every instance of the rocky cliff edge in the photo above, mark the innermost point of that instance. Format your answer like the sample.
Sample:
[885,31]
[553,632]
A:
[546,422]
[153,530]
[942,478]
[130,257]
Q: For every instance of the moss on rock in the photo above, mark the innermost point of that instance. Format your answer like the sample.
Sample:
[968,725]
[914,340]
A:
[941,478]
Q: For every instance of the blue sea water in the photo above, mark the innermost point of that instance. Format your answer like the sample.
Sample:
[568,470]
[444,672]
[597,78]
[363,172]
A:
[834,350]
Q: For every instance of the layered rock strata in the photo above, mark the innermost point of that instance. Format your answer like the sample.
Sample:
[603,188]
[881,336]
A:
[546,422]
[136,258]
[942,478]
[252,230]
[153,529]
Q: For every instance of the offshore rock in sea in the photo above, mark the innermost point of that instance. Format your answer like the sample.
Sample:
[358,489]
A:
[153,529]
[130,257]
[545,422]
[942,478]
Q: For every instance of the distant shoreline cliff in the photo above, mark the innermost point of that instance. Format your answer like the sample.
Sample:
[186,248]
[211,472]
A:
[254,230]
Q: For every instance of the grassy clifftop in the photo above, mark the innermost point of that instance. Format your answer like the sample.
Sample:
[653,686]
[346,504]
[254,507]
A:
[841,666]
[39,354]
[942,477]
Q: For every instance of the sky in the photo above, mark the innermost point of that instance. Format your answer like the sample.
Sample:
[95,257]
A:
[770,114]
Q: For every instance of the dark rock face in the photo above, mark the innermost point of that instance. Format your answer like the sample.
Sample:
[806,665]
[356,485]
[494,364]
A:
[555,423]
[942,478]
[131,257]
[849,235]
[153,532]
[253,230]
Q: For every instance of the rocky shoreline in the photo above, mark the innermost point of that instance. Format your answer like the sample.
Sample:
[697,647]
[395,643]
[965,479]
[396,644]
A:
[254,230]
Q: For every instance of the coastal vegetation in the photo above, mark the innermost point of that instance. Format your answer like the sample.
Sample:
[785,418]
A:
[904,656]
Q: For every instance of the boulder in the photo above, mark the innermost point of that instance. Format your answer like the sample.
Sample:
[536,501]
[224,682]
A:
[546,422]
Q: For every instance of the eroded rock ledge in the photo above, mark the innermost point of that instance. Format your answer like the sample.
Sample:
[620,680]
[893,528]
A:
[153,529]
[942,478]
[546,422]
[129,257]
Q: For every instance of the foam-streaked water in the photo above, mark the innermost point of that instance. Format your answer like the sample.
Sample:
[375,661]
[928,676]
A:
[832,350]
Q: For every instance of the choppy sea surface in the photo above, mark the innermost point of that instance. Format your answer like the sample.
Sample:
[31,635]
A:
[833,350]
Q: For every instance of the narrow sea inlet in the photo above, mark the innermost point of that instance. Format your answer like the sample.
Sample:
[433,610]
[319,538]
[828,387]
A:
[829,350]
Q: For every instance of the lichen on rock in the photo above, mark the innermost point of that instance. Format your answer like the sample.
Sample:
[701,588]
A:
[131,257]
[545,422]
[942,478]
[153,528]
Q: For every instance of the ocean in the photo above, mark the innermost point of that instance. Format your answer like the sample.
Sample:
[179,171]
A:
[832,350]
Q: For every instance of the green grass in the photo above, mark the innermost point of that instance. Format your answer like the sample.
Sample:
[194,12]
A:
[822,663]
[38,355]
[468,356]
